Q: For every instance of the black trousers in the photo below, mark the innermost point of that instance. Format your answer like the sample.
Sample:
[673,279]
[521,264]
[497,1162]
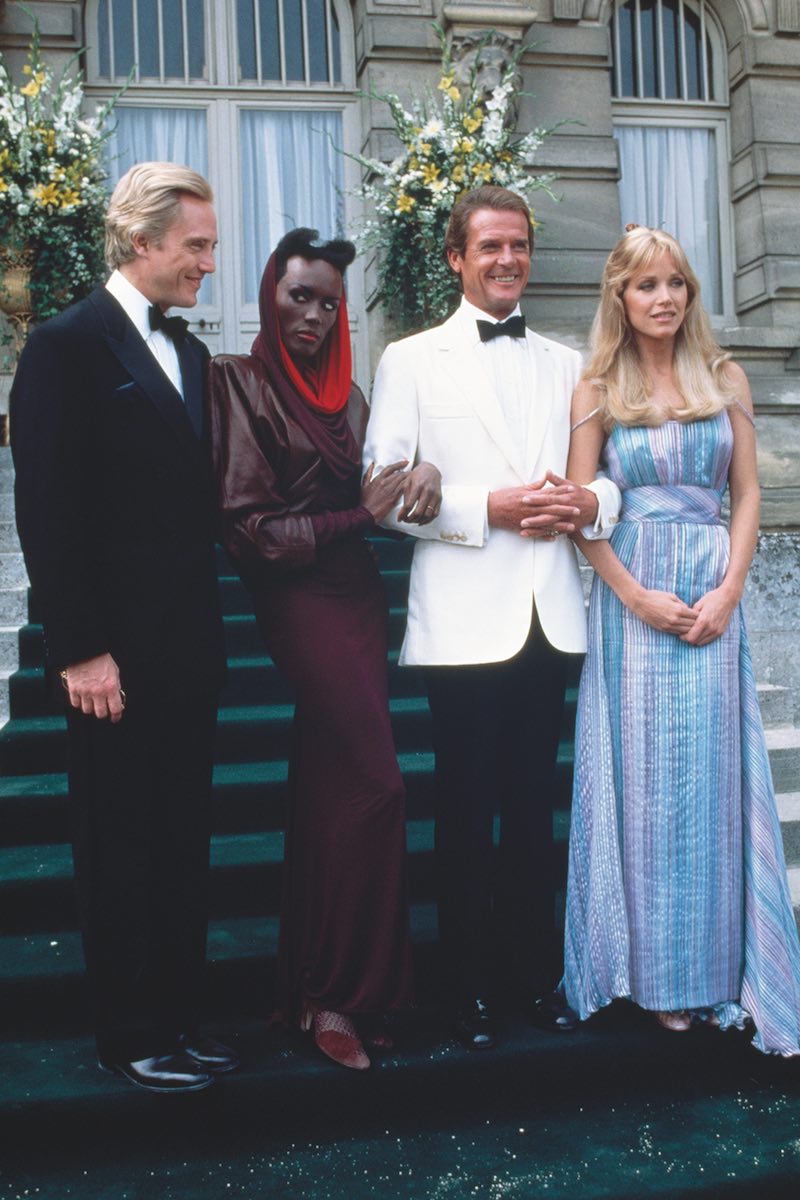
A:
[496,729]
[140,794]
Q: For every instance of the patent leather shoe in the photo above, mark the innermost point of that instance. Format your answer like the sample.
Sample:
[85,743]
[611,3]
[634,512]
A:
[475,1027]
[554,1015]
[209,1055]
[164,1073]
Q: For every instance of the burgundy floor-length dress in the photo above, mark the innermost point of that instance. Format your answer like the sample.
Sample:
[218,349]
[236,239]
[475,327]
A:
[295,533]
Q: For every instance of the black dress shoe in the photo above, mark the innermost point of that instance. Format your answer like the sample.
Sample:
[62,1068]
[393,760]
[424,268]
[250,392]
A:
[164,1073]
[554,1015]
[475,1026]
[209,1055]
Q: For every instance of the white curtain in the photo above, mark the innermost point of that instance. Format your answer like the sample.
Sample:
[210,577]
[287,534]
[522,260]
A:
[175,135]
[291,175]
[669,181]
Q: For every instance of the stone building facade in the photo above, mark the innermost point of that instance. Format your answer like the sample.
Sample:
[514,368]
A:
[690,106]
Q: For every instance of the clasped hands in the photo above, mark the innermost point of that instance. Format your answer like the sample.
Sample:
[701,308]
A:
[698,624]
[543,509]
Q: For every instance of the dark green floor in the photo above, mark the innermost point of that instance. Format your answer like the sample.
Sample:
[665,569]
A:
[619,1110]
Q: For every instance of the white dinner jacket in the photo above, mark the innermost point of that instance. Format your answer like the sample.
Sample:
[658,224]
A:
[472,587]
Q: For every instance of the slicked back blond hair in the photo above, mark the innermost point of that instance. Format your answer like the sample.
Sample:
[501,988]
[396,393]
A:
[147,200]
[615,368]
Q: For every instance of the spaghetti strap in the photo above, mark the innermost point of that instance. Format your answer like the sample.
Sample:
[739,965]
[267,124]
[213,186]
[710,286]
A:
[746,411]
[583,420]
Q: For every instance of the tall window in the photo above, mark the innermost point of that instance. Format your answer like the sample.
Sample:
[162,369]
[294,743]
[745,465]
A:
[257,95]
[670,121]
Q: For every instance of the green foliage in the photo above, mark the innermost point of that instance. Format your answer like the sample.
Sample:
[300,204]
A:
[52,181]
[451,143]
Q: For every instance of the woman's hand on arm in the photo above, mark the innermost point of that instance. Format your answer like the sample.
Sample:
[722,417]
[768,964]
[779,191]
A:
[380,494]
[422,495]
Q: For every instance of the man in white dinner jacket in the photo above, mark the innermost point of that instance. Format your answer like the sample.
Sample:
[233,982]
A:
[495,602]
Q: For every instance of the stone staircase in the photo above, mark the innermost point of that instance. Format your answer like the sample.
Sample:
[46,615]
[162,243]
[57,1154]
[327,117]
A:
[783,742]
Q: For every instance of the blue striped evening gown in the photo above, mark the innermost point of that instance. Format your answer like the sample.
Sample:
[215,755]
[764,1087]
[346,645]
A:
[677,894]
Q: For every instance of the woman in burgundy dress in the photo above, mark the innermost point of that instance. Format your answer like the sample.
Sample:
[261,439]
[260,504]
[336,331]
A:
[288,426]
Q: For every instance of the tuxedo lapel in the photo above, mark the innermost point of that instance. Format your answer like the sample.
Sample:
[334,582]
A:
[541,409]
[127,345]
[468,372]
[192,378]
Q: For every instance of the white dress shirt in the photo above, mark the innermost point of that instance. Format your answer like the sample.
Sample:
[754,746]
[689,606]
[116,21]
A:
[137,309]
[508,364]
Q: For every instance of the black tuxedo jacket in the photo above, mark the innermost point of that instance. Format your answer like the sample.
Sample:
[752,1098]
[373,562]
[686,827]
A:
[115,500]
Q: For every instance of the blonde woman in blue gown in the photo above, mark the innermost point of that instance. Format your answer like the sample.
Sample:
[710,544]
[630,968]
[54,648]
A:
[677,897]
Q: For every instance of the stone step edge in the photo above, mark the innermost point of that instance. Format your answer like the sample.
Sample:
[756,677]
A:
[229,851]
[783,737]
[28,958]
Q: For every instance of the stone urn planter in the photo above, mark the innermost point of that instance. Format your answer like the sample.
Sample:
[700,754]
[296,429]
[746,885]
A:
[16,268]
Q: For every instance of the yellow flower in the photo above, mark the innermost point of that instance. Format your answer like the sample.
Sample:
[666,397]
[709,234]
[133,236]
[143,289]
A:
[505,156]
[429,172]
[404,203]
[3,185]
[474,122]
[446,82]
[46,195]
[424,149]
[35,86]
[69,197]
[413,163]
[457,174]
[465,146]
[482,171]
[49,138]
[454,94]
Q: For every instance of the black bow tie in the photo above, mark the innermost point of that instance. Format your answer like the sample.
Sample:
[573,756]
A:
[173,327]
[513,327]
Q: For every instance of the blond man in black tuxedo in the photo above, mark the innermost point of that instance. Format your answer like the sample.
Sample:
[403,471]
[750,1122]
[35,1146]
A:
[115,509]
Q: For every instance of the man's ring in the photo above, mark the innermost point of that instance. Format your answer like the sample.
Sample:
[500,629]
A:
[123,697]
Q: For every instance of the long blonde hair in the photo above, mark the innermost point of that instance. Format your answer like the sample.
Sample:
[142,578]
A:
[614,366]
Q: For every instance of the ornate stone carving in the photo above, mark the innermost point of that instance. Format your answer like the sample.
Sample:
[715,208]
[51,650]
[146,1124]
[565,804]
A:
[496,51]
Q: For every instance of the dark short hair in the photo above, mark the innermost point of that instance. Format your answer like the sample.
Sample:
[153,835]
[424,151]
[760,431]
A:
[488,196]
[304,243]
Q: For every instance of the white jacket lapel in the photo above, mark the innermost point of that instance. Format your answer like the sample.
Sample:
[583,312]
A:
[541,409]
[473,382]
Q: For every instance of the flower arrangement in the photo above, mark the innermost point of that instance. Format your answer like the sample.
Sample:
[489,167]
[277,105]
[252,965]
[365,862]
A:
[452,143]
[52,183]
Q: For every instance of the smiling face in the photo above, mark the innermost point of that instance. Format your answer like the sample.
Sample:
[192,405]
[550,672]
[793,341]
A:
[307,300]
[496,262]
[655,299]
[169,272]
